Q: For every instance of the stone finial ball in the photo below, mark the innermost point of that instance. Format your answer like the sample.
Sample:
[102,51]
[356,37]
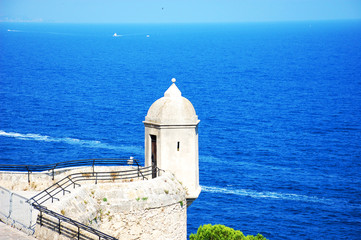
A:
[173,80]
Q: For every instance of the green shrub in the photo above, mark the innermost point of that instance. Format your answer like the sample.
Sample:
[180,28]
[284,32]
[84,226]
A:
[221,232]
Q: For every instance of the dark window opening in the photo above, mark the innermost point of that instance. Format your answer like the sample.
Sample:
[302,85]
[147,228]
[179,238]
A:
[154,155]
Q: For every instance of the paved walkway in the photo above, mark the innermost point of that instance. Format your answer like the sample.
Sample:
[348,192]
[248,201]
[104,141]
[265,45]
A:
[9,233]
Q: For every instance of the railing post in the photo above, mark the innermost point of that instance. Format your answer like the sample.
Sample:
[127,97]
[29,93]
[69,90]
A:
[93,166]
[96,178]
[53,173]
[78,233]
[41,218]
[138,170]
[59,226]
[27,168]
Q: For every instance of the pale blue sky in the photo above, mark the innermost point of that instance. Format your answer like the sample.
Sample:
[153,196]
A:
[175,11]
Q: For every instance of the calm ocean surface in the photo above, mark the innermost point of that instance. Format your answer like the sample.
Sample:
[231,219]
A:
[279,104]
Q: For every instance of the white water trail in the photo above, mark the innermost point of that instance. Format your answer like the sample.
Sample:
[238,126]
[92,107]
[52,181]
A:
[266,194]
[71,141]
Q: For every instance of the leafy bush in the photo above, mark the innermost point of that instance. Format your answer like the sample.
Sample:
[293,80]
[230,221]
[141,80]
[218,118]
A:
[221,232]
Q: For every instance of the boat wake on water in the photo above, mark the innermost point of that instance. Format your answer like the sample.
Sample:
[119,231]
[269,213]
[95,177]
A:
[72,141]
[265,194]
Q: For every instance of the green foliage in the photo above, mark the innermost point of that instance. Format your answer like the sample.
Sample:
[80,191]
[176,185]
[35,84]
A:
[221,232]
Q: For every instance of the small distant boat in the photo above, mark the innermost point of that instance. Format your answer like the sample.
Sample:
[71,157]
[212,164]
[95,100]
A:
[148,35]
[116,35]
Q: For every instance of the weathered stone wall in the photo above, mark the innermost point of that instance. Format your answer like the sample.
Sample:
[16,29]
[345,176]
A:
[126,209]
[149,209]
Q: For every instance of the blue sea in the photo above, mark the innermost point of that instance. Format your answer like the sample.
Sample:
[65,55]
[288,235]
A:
[279,104]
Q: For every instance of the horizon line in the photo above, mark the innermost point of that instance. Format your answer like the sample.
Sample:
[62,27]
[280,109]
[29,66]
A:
[210,22]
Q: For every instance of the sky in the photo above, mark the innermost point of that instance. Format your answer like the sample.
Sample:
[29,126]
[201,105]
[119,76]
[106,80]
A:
[176,11]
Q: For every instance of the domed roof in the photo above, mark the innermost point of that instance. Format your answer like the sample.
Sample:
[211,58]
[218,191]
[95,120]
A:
[172,109]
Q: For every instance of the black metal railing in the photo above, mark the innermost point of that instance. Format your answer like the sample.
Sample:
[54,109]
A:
[63,185]
[68,164]
[72,180]
[73,232]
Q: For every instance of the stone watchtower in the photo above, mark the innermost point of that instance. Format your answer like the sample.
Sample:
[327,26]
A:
[171,139]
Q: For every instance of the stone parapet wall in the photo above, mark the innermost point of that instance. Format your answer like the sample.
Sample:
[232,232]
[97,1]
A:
[149,209]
